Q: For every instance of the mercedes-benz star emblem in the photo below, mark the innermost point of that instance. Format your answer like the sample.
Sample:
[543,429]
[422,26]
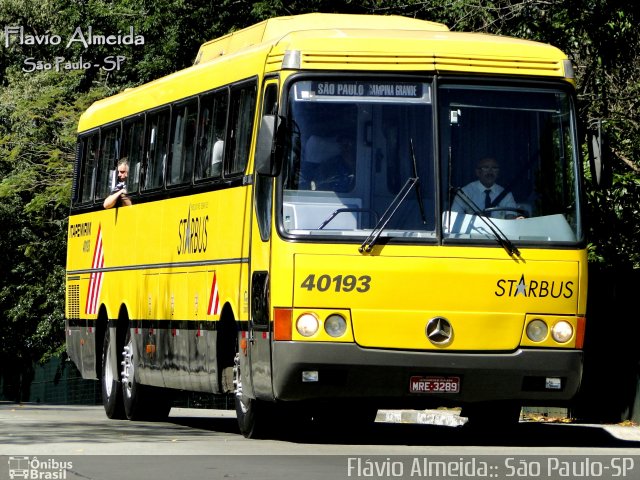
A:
[439,331]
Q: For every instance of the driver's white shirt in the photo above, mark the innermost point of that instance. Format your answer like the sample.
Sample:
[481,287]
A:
[475,191]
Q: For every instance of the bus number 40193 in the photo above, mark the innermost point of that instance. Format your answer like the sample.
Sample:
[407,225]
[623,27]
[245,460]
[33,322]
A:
[339,283]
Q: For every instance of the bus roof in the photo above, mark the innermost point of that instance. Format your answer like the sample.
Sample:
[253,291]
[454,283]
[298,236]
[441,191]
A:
[335,42]
[274,29]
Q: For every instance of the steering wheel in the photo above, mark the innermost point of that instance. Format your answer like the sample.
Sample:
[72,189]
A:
[519,211]
[339,183]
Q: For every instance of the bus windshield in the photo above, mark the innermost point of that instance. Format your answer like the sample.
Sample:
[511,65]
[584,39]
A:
[361,156]
[509,155]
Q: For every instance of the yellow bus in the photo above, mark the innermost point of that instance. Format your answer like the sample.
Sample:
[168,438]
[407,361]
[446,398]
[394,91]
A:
[330,214]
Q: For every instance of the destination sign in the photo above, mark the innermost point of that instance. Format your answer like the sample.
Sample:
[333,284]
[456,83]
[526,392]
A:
[363,90]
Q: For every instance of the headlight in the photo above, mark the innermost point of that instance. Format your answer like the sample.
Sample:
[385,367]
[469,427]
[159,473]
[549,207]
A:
[307,324]
[335,325]
[537,330]
[562,332]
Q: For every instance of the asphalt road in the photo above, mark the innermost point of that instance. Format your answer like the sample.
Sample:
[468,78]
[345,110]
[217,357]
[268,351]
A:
[207,444]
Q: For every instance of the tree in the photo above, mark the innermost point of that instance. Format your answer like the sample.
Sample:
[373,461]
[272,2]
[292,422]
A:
[38,117]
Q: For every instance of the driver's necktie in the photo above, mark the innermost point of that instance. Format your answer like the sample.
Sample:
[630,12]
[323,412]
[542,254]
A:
[487,198]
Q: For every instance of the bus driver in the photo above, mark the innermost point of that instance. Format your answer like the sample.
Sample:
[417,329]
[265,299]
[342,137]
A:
[485,192]
[337,171]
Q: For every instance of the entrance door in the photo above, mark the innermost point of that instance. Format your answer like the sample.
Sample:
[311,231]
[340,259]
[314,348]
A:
[259,342]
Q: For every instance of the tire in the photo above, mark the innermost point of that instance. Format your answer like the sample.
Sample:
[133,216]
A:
[110,378]
[255,417]
[141,402]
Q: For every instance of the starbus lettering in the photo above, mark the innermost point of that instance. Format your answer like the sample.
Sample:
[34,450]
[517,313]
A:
[534,288]
[192,234]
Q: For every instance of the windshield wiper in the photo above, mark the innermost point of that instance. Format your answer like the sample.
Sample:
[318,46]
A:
[499,235]
[411,182]
[373,237]
[415,175]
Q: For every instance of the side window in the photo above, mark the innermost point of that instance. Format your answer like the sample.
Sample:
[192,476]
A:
[109,152]
[133,150]
[183,139]
[242,112]
[156,149]
[212,133]
[89,151]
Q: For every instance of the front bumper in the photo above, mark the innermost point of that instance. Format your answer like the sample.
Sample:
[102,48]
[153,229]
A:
[348,371]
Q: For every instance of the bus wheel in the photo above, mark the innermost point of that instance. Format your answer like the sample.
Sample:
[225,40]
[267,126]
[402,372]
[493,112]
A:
[141,402]
[255,417]
[111,392]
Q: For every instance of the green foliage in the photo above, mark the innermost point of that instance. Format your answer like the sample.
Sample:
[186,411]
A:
[39,114]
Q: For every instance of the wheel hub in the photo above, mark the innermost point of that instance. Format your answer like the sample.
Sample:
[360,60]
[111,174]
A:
[127,369]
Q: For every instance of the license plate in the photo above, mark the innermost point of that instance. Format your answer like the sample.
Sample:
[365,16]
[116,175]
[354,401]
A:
[434,385]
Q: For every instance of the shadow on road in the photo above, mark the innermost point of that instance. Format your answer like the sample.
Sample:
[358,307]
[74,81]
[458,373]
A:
[39,425]
[521,435]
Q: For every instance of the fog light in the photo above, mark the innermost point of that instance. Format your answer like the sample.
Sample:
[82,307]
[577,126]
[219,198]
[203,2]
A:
[553,383]
[335,325]
[310,376]
[537,330]
[307,324]
[562,332]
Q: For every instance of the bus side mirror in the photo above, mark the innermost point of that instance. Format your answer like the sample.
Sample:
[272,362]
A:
[265,158]
[599,156]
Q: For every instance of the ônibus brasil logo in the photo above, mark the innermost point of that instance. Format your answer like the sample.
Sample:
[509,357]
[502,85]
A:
[33,468]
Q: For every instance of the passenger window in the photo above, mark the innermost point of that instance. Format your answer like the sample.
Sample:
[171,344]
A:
[133,149]
[183,139]
[242,112]
[156,154]
[212,132]
[109,152]
[88,168]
